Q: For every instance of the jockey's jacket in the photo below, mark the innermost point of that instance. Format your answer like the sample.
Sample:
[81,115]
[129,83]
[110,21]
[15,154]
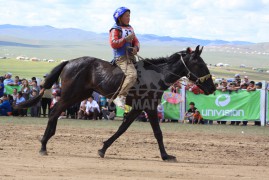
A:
[117,40]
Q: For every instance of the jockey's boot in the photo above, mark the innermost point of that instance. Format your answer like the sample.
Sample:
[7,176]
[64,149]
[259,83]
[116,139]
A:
[120,101]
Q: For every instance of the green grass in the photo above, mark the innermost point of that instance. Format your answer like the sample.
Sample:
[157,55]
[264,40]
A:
[139,126]
[25,69]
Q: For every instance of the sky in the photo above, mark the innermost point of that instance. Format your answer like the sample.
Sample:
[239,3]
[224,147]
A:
[243,20]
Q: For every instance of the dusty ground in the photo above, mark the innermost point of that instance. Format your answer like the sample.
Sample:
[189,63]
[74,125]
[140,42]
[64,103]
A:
[73,155]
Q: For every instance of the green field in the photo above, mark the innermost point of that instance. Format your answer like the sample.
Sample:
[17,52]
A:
[139,126]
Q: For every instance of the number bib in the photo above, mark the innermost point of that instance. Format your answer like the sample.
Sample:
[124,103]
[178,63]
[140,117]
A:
[126,31]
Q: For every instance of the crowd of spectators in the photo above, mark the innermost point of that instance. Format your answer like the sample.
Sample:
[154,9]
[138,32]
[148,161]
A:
[97,106]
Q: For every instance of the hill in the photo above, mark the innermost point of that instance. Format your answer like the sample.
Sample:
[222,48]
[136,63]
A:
[47,42]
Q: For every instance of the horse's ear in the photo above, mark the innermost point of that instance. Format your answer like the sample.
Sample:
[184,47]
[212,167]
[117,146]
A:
[200,52]
[197,50]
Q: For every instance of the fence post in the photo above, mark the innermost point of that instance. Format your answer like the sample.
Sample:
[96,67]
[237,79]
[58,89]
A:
[263,104]
[183,103]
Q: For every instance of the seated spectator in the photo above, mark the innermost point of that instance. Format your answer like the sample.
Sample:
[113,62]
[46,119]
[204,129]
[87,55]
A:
[2,87]
[72,111]
[197,118]
[142,117]
[82,110]
[251,86]
[108,111]
[92,109]
[259,85]
[35,108]
[19,112]
[160,110]
[35,87]
[190,112]
[5,106]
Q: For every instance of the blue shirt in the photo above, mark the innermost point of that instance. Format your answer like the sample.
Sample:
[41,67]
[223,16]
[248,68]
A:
[18,101]
[5,107]
[2,87]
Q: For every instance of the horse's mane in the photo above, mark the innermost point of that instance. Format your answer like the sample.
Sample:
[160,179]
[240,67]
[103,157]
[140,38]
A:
[155,61]
[161,60]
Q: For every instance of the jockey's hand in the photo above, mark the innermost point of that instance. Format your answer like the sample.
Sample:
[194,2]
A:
[134,52]
[130,38]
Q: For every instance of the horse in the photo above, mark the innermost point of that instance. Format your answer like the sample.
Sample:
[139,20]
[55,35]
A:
[81,76]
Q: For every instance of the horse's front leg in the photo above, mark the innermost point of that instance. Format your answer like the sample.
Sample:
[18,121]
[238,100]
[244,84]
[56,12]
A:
[153,118]
[123,127]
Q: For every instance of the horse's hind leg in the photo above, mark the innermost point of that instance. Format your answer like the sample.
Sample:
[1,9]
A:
[123,127]
[153,118]
[51,126]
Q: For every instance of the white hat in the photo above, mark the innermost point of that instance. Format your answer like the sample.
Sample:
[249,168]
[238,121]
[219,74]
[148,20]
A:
[9,73]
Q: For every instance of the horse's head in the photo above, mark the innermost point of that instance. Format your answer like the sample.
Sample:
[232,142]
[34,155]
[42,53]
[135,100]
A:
[195,69]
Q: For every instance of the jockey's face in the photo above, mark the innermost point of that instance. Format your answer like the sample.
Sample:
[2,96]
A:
[125,18]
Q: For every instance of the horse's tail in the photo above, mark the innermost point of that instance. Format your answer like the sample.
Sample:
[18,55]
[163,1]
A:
[49,81]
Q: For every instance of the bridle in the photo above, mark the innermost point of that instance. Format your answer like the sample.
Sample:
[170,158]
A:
[198,79]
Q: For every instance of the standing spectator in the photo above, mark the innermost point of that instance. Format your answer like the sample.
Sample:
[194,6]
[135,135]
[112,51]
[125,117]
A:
[35,109]
[46,98]
[5,106]
[251,86]
[56,88]
[245,81]
[175,88]
[8,80]
[92,109]
[19,112]
[259,85]
[16,81]
[82,110]
[223,85]
[190,112]
[195,89]
[2,87]
[237,79]
[25,89]
[244,86]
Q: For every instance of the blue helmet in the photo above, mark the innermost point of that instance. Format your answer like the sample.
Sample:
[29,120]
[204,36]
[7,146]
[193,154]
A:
[119,12]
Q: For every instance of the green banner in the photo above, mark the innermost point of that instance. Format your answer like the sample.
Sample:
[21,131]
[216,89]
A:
[171,104]
[267,107]
[9,89]
[241,105]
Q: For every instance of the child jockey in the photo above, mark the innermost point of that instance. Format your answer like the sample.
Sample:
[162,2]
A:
[125,46]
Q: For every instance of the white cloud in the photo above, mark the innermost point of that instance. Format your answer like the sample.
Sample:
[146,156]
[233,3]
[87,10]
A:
[212,19]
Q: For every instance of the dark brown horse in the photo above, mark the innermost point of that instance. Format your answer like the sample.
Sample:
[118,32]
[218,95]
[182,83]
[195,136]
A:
[81,76]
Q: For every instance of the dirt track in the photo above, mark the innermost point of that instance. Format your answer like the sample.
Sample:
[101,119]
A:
[73,155]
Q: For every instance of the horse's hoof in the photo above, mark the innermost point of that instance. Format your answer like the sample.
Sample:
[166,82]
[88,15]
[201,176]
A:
[170,158]
[43,153]
[101,153]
